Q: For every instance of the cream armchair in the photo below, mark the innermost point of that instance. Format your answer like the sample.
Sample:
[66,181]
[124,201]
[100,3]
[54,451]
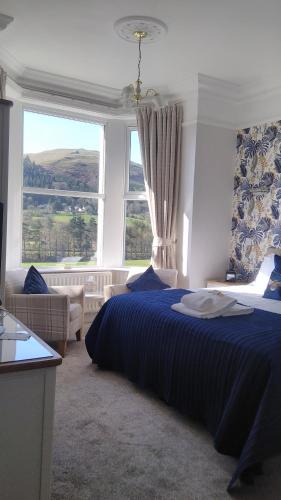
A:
[168,276]
[55,317]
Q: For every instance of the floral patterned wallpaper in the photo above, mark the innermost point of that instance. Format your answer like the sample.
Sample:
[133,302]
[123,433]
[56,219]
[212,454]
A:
[256,221]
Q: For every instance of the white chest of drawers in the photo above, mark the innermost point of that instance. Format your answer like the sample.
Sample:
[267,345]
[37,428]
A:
[27,392]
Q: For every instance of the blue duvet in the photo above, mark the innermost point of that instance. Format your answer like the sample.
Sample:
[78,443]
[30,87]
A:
[225,372]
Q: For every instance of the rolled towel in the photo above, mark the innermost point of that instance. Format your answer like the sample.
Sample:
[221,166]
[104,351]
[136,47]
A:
[207,302]
[199,301]
[181,308]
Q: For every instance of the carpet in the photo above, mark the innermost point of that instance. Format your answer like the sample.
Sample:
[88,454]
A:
[113,441]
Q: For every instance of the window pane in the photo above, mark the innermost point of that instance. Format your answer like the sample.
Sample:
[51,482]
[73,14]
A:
[60,153]
[136,179]
[59,229]
[138,239]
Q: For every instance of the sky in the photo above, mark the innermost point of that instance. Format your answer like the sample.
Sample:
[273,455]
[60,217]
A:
[43,132]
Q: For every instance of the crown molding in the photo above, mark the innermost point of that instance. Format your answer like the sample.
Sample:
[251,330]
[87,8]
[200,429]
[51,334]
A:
[41,80]
[207,100]
[257,90]
[229,105]
[221,89]
[13,90]
[73,104]
[28,83]
[10,64]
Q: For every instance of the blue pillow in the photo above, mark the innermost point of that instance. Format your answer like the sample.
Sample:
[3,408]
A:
[34,282]
[149,280]
[273,289]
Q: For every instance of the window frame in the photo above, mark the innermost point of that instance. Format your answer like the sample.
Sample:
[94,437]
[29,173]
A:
[127,173]
[100,196]
[129,195]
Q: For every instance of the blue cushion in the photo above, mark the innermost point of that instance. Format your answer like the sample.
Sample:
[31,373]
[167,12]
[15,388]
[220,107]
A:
[34,282]
[273,289]
[149,280]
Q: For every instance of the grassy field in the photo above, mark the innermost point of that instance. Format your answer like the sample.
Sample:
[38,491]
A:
[67,217]
[65,265]
[137,263]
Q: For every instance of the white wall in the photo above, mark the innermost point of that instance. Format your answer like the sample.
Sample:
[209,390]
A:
[5,108]
[212,203]
[185,207]
[14,229]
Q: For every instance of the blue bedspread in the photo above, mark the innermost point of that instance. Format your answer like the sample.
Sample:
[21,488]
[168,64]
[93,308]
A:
[225,372]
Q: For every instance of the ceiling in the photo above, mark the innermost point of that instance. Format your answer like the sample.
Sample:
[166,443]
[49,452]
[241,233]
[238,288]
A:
[237,41]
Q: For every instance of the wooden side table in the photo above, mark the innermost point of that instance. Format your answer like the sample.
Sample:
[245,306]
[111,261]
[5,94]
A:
[213,283]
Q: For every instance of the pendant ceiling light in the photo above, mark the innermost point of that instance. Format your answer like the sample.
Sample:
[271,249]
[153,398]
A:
[139,30]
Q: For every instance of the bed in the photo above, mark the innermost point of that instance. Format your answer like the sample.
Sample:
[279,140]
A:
[225,372]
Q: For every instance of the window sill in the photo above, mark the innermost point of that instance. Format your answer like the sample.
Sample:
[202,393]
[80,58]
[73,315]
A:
[58,269]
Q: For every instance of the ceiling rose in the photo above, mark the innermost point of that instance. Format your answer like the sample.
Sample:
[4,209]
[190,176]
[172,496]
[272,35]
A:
[128,26]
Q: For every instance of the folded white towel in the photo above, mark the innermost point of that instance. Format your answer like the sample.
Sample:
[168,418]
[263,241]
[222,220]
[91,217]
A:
[233,310]
[238,310]
[199,301]
[207,302]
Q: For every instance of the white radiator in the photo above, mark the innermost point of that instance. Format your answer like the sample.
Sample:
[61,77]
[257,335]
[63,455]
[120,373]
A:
[93,281]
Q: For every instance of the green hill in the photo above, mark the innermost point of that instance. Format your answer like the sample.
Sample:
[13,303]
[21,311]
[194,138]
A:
[67,169]
[70,169]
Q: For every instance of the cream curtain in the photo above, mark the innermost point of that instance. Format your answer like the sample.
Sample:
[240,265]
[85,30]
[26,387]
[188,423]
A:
[160,142]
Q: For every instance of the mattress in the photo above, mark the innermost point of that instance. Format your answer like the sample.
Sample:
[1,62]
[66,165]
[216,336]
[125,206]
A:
[249,295]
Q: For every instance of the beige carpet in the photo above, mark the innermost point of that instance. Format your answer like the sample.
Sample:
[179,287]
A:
[114,441]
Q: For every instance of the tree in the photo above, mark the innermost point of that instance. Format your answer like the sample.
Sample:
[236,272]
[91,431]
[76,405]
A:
[77,228]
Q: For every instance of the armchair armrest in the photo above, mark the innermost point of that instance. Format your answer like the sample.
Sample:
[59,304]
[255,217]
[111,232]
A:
[45,314]
[111,290]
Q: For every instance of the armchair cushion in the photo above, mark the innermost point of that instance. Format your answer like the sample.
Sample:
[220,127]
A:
[34,282]
[149,280]
[76,293]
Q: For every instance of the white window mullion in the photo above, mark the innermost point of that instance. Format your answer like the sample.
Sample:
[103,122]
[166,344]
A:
[100,232]
[58,192]
[113,226]
[134,195]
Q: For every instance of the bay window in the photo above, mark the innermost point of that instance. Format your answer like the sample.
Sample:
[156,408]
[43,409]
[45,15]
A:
[62,190]
[138,235]
[83,199]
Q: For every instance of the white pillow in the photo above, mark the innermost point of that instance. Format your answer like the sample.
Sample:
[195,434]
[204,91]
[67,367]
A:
[264,273]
